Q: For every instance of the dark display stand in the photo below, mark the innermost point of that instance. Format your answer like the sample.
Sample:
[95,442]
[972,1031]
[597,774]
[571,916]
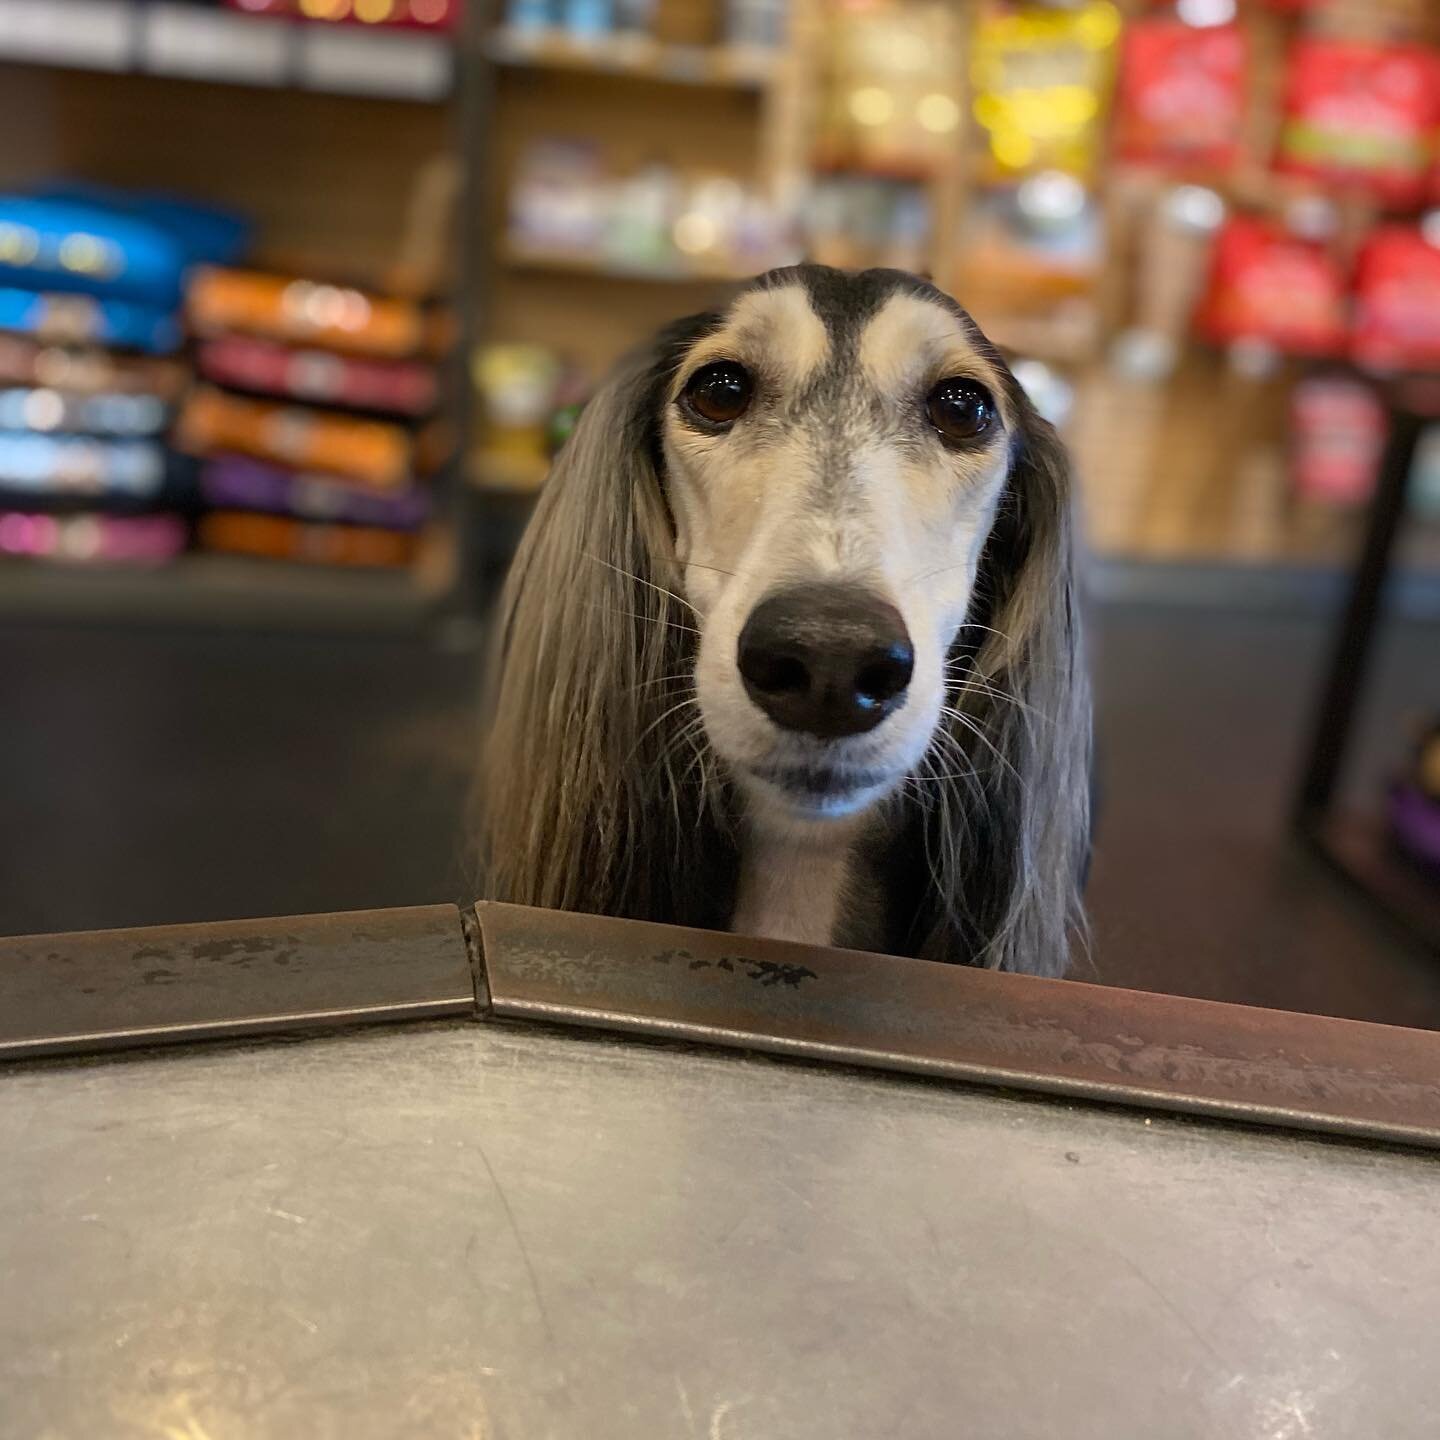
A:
[1357,846]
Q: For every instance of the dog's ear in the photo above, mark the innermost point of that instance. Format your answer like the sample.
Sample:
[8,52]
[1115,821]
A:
[1009,875]
[588,795]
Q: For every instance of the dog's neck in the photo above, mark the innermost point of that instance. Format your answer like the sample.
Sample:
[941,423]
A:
[798,882]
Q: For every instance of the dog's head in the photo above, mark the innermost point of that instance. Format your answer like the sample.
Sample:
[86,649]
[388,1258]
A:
[834,449]
[812,551]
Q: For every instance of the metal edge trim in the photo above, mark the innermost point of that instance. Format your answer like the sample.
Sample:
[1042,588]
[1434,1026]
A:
[893,1062]
[87,1042]
[450,991]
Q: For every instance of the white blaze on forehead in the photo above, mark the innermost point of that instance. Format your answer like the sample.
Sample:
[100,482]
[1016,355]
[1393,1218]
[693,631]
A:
[775,328]
[912,341]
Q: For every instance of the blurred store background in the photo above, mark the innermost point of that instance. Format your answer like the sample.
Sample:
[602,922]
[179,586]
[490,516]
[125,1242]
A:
[298,296]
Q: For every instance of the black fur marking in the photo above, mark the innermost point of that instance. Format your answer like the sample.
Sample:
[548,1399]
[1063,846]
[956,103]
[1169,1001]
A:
[836,402]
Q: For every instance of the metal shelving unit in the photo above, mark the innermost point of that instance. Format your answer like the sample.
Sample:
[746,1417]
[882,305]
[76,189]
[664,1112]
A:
[157,37]
[159,42]
[635,58]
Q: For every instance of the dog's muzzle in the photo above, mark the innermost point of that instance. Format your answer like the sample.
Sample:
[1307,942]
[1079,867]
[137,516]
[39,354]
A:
[826,660]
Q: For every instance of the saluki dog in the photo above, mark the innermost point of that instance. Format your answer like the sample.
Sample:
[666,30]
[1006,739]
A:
[792,645]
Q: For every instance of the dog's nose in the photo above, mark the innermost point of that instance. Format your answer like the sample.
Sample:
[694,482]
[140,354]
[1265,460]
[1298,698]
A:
[827,660]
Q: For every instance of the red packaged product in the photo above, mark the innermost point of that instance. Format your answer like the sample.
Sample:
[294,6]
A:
[404,387]
[1182,93]
[1363,114]
[1397,301]
[1268,284]
[1338,430]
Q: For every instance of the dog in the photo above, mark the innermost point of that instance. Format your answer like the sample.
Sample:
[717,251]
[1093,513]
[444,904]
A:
[792,643]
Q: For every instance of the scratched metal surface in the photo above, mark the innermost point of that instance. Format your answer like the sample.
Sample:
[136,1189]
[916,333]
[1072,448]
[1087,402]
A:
[1058,1036]
[476,1231]
[108,989]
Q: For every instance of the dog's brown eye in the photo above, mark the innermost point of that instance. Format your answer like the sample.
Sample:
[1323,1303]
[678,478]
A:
[720,393]
[960,409]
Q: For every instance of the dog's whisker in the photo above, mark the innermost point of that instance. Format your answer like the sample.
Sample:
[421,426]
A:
[670,757]
[699,761]
[691,734]
[939,754]
[664,622]
[700,565]
[685,676]
[969,724]
[656,723]
[972,679]
[967,660]
[1004,698]
[968,686]
[958,688]
[952,824]
[685,732]
[670,753]
[988,629]
[930,574]
[984,771]
[948,746]
[947,743]
[638,579]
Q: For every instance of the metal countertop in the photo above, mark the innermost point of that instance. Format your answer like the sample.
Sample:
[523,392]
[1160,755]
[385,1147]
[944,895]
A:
[462,1230]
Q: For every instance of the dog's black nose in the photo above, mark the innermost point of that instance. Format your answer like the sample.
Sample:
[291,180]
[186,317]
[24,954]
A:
[826,659]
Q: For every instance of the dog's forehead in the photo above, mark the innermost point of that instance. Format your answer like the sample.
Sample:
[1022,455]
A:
[778,325]
[811,324]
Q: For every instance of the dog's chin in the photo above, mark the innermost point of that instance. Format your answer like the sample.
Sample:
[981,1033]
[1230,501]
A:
[817,792]
[800,780]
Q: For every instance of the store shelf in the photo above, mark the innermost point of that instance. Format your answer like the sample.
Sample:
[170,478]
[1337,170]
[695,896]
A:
[583,262]
[637,57]
[210,591]
[1059,339]
[190,42]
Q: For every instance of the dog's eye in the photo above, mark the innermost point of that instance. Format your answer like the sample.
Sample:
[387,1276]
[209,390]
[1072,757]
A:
[720,393]
[960,409]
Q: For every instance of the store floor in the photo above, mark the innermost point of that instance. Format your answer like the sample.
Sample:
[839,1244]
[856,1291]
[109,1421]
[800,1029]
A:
[148,777]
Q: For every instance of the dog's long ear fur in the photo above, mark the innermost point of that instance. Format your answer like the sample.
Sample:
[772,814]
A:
[598,793]
[1007,839]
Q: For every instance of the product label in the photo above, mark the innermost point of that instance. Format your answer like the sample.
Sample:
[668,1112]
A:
[1397,301]
[1338,430]
[1267,284]
[1361,114]
[1041,80]
[1182,94]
